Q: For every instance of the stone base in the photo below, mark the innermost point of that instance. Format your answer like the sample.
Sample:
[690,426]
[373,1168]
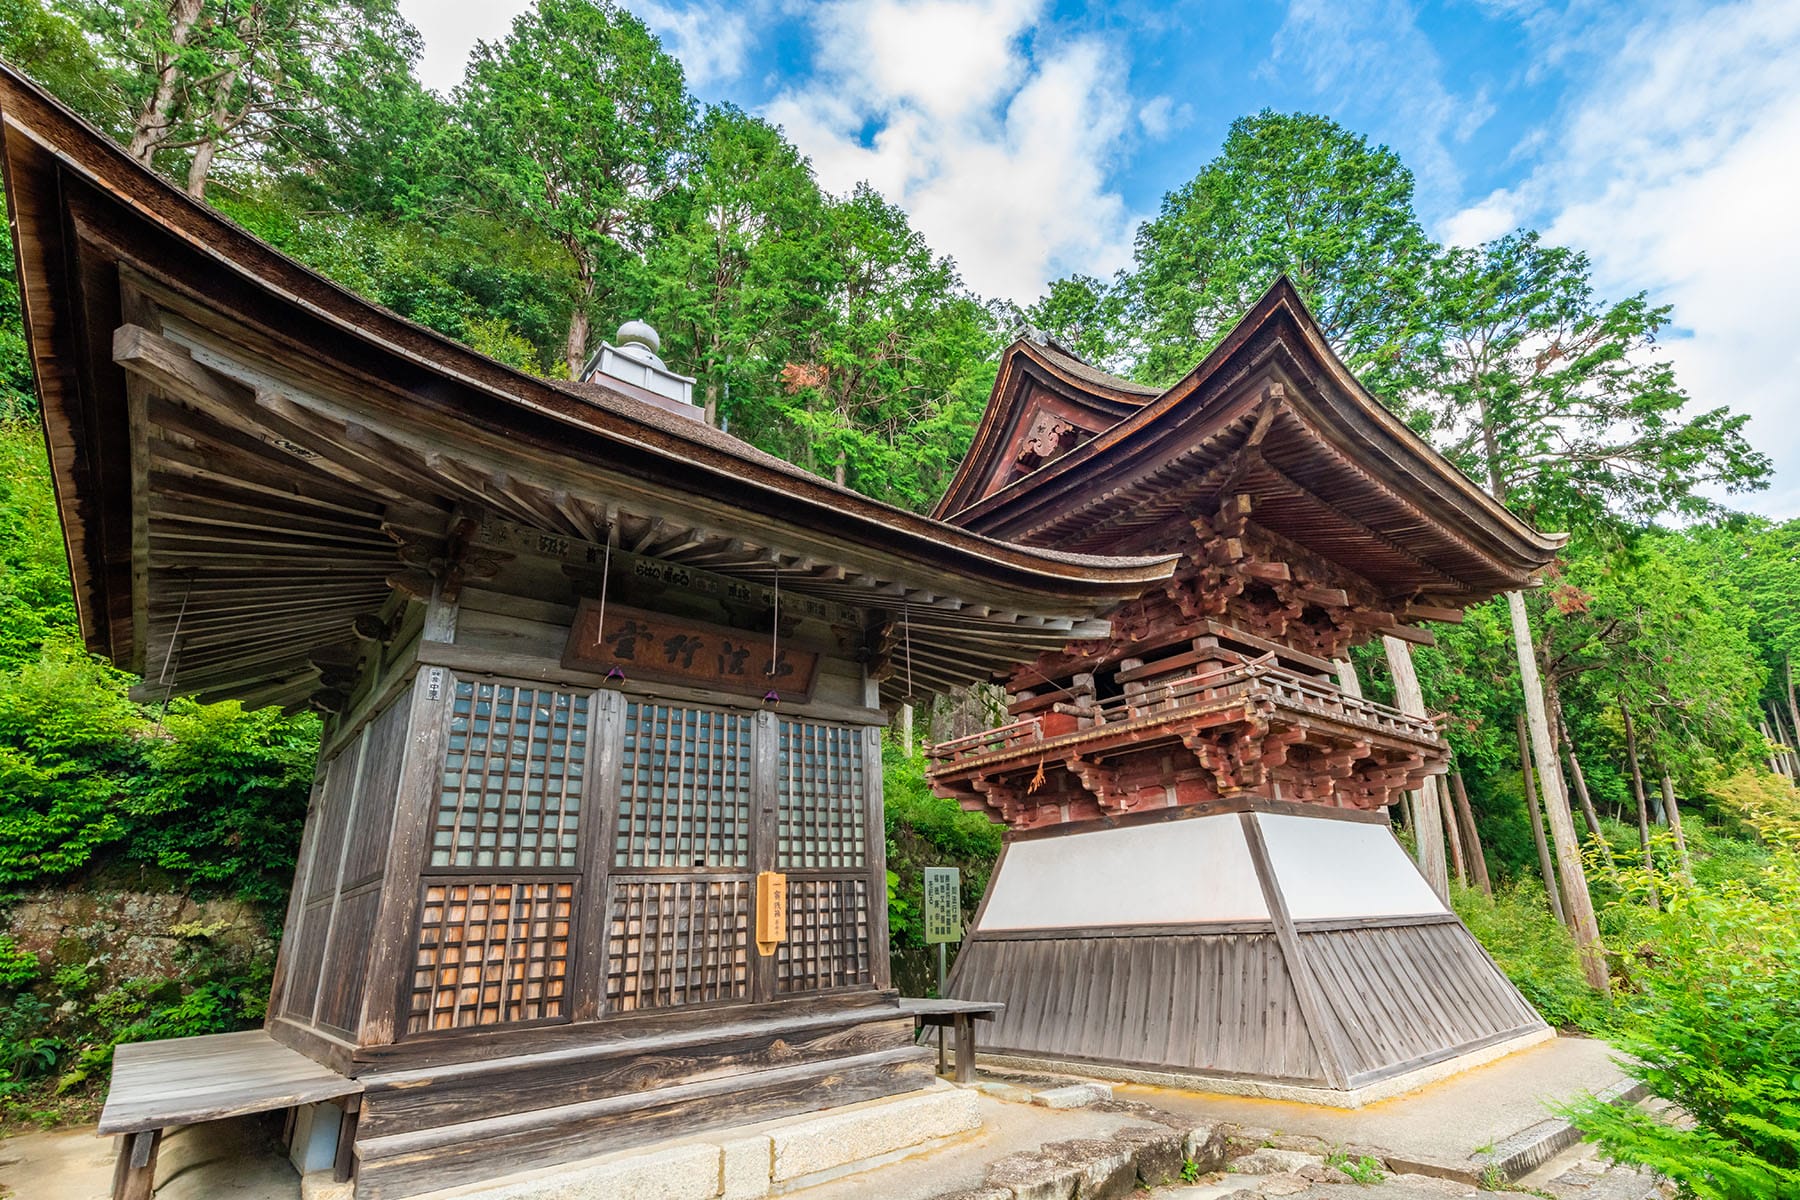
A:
[752,1161]
[1227,1085]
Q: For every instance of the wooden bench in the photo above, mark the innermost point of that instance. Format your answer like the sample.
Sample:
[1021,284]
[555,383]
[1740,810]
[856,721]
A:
[181,1081]
[960,1017]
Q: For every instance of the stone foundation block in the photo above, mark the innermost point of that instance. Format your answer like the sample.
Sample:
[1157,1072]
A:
[869,1131]
[1075,1095]
[744,1167]
[689,1172]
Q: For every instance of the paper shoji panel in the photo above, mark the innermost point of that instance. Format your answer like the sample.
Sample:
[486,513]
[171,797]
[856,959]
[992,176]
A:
[828,936]
[491,951]
[684,788]
[511,791]
[820,796]
[678,941]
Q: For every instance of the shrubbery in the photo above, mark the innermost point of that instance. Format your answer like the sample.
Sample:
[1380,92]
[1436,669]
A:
[1534,950]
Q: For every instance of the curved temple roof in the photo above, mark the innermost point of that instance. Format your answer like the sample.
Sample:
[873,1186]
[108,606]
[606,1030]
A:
[238,443]
[1272,415]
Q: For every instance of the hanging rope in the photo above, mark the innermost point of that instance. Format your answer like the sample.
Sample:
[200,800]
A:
[617,671]
[772,696]
[906,627]
[174,640]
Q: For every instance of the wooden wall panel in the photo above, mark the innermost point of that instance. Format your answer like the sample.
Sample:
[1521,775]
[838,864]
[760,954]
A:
[366,854]
[346,967]
[304,967]
[511,791]
[676,940]
[828,936]
[1409,994]
[492,951]
[1218,1003]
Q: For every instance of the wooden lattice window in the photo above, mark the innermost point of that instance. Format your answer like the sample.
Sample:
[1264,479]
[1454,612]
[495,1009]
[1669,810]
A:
[491,951]
[684,788]
[820,796]
[828,936]
[510,796]
[678,941]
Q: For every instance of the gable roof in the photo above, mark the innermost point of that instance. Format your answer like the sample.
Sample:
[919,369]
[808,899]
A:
[1325,463]
[227,427]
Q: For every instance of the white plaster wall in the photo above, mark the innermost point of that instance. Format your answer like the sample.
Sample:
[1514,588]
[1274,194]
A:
[1169,873]
[1329,869]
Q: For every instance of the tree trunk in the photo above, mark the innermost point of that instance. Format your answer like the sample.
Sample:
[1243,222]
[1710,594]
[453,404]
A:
[1643,805]
[1348,683]
[1579,904]
[1674,811]
[1452,830]
[1427,810]
[576,351]
[1471,835]
[1537,827]
[151,126]
[201,165]
[1793,719]
[1785,738]
[1587,804]
[1776,766]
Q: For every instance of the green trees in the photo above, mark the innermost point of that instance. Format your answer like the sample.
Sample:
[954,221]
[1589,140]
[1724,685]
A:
[1288,193]
[1561,402]
[577,121]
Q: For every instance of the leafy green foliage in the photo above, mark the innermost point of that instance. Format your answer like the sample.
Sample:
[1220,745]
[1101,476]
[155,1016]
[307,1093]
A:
[18,967]
[924,830]
[1288,193]
[1534,951]
[576,120]
[1715,1030]
[1360,1168]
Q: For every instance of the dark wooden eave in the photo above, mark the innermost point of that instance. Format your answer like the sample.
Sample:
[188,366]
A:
[1034,376]
[1273,415]
[237,443]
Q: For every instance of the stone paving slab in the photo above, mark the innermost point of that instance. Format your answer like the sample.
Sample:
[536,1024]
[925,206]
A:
[1448,1127]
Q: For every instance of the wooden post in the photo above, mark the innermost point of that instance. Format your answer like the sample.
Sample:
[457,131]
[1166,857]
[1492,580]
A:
[1471,835]
[1580,905]
[134,1177]
[1348,683]
[1427,811]
[965,1047]
[1674,811]
[1537,826]
[344,1165]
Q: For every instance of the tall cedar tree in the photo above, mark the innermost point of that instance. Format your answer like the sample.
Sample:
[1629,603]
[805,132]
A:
[578,120]
[1289,193]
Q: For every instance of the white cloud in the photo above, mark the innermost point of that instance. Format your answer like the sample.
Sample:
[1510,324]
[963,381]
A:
[1676,168]
[1376,56]
[451,30]
[712,41]
[995,137]
[1161,117]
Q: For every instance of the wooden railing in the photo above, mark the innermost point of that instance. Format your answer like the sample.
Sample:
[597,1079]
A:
[1259,678]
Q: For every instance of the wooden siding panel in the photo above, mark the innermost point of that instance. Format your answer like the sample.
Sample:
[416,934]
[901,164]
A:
[347,962]
[1214,1003]
[366,854]
[1442,994]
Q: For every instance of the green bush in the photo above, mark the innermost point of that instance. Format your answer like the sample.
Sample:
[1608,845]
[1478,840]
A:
[1714,1029]
[1534,951]
[924,830]
[18,968]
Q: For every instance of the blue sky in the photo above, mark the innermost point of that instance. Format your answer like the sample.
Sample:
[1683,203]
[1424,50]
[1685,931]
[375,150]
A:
[1027,138]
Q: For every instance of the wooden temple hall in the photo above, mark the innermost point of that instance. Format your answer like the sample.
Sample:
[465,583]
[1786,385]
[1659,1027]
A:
[1198,877]
[595,850]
